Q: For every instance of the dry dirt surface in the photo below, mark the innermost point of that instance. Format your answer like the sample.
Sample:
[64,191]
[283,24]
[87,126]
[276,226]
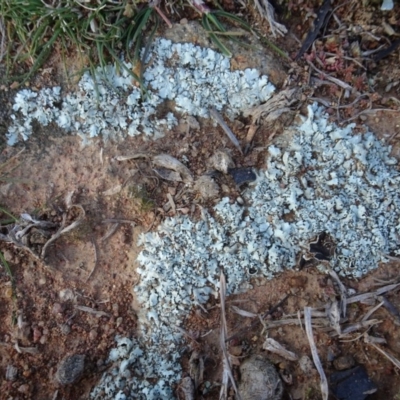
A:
[77,298]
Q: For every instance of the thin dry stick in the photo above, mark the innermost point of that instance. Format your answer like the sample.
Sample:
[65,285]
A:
[257,321]
[90,310]
[359,325]
[3,39]
[96,258]
[336,81]
[227,371]
[366,296]
[110,231]
[391,308]
[214,113]
[61,231]
[163,16]
[117,220]
[243,313]
[342,289]
[392,359]
[314,352]
[369,110]
[371,311]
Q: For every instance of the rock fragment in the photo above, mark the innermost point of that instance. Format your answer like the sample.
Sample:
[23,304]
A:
[70,369]
[259,380]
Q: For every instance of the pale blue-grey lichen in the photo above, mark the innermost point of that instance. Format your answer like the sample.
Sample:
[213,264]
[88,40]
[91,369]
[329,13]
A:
[111,106]
[325,177]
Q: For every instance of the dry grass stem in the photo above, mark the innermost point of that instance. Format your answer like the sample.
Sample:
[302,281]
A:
[217,117]
[275,347]
[333,314]
[314,352]
[227,371]
[171,202]
[267,11]
[342,290]
[371,295]
[391,308]
[29,350]
[118,220]
[89,310]
[243,313]
[96,258]
[359,325]
[110,231]
[60,232]
[336,81]
[2,40]
[131,157]
[391,358]
[371,311]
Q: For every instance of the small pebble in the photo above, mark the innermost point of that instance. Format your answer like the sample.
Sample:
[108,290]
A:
[344,362]
[65,329]
[57,308]
[70,369]
[24,388]
[11,372]
[236,350]
[36,335]
[92,335]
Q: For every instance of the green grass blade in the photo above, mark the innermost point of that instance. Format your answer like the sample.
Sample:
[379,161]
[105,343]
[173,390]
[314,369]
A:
[206,24]
[41,58]
[243,24]
[121,64]
[4,211]
[7,268]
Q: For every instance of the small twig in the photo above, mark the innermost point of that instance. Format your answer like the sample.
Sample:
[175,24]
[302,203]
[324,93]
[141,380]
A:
[346,58]
[96,258]
[266,10]
[256,321]
[391,308]
[110,231]
[3,39]
[186,333]
[227,374]
[89,310]
[29,350]
[342,289]
[163,16]
[225,127]
[336,81]
[61,231]
[369,52]
[392,359]
[359,325]
[118,221]
[371,311]
[171,202]
[369,295]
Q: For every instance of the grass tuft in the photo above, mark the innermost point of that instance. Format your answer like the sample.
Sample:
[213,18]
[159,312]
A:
[97,30]
[30,30]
